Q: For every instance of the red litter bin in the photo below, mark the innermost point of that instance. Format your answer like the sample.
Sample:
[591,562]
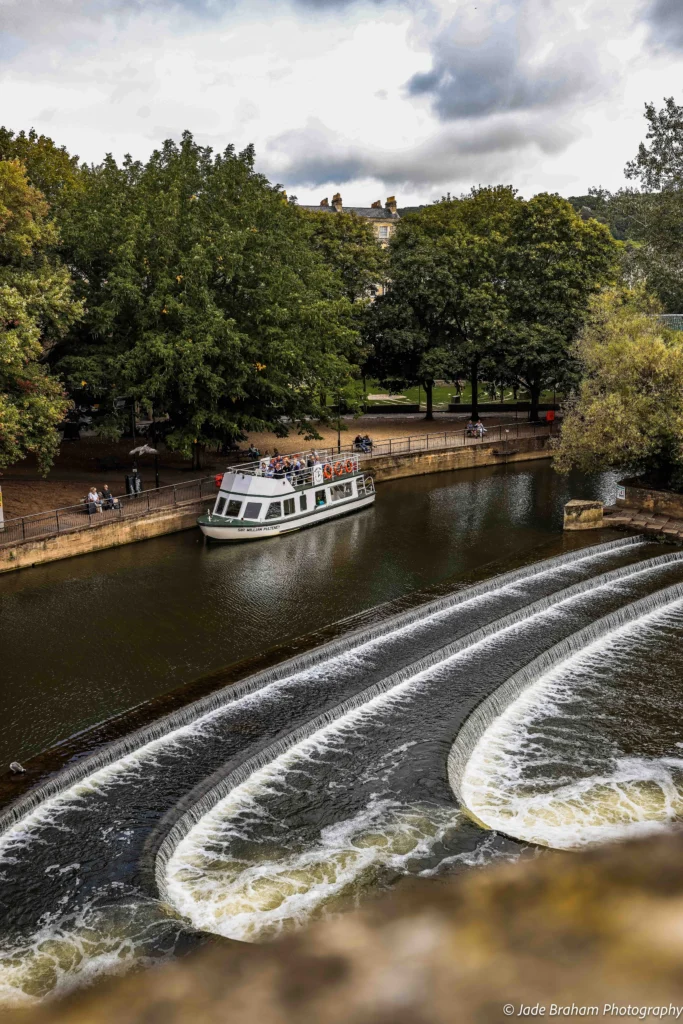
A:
[550,416]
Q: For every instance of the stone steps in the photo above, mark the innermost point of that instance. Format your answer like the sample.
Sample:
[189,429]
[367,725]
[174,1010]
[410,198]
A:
[659,527]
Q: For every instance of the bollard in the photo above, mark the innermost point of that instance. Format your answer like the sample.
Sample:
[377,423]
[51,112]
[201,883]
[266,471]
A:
[583,515]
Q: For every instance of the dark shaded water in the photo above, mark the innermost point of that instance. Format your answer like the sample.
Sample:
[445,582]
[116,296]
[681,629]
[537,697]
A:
[83,639]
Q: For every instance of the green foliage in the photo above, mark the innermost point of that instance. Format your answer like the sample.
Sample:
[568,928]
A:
[348,245]
[656,211]
[49,167]
[445,307]
[600,205]
[488,282]
[554,262]
[36,309]
[628,414]
[205,297]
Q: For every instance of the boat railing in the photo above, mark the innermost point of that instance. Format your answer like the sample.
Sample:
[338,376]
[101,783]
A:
[303,468]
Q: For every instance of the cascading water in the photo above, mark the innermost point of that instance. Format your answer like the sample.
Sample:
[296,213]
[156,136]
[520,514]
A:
[294,791]
[589,750]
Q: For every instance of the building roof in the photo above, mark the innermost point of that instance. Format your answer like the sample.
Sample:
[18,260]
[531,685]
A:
[370,212]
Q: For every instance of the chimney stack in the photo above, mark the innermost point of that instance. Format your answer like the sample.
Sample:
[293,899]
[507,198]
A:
[390,204]
[324,202]
[337,202]
[377,205]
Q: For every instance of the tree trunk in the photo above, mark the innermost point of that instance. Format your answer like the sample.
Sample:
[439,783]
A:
[196,456]
[535,393]
[429,385]
[475,389]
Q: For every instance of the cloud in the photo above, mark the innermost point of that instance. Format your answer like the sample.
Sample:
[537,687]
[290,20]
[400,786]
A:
[313,156]
[498,57]
[26,21]
[666,22]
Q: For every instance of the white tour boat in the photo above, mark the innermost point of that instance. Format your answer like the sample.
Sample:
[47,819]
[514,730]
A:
[266,498]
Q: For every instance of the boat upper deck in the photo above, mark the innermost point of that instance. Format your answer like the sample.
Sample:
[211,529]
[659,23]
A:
[290,466]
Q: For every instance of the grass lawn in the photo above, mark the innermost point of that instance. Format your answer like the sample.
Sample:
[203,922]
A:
[442,395]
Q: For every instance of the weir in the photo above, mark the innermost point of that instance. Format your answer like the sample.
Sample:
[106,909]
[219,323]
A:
[211,792]
[493,706]
[312,740]
[79,771]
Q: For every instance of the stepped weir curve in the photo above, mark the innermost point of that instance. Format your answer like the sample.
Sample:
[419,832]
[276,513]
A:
[208,795]
[493,706]
[89,852]
[266,771]
[167,724]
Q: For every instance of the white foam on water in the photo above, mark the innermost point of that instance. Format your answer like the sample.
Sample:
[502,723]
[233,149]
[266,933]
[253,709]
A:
[72,950]
[530,781]
[69,950]
[285,888]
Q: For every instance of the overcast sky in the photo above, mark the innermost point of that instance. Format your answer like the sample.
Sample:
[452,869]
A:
[375,97]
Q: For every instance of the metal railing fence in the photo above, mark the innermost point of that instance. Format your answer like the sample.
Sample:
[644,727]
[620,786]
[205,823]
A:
[84,516]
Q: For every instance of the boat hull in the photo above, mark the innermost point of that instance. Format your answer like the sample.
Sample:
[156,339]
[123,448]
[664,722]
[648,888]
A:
[234,533]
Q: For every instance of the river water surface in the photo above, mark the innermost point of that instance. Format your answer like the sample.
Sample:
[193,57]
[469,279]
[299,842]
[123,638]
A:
[311,784]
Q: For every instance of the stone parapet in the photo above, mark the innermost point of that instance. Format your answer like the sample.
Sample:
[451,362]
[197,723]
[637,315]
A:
[594,934]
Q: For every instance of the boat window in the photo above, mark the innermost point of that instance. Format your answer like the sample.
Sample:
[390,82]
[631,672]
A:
[252,510]
[274,510]
[360,483]
[290,507]
[320,498]
[339,491]
[234,509]
[303,502]
[220,506]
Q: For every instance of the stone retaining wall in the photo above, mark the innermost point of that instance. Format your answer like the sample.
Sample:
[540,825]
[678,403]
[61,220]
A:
[488,453]
[97,538]
[650,501]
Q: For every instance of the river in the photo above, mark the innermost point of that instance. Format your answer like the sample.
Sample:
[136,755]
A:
[421,740]
[94,636]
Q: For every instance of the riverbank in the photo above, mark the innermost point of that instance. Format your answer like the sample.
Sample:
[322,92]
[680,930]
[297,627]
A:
[101,535]
[91,461]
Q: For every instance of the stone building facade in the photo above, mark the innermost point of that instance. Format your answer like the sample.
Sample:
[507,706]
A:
[382,220]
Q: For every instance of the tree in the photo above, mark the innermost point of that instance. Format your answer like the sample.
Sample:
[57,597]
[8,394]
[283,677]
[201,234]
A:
[49,168]
[348,245]
[628,414]
[555,262]
[36,308]
[657,210]
[205,298]
[446,305]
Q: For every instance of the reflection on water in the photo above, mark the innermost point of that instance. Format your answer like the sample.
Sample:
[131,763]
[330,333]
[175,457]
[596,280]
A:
[89,637]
